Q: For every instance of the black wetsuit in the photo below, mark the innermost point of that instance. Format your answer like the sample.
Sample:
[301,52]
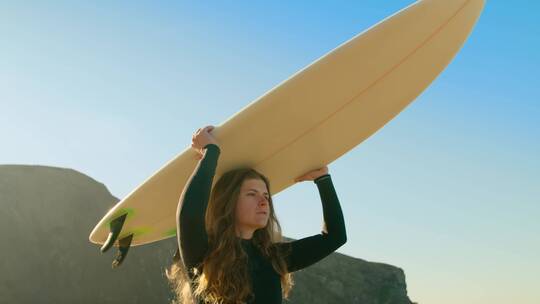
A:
[193,240]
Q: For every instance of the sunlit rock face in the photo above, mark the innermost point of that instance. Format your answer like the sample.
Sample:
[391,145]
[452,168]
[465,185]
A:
[47,214]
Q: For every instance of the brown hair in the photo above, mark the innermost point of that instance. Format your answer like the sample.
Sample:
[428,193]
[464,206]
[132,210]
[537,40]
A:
[223,277]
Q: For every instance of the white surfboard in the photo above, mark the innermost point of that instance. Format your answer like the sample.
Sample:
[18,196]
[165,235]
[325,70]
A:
[314,117]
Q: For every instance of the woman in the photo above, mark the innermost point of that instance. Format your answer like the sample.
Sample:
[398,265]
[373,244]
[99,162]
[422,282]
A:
[230,242]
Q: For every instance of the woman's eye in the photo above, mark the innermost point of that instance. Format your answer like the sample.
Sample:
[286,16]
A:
[267,198]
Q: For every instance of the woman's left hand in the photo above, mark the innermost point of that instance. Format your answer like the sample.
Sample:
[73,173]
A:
[311,175]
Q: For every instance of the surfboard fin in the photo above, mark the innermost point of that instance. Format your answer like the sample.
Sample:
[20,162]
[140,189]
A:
[116,227]
[123,249]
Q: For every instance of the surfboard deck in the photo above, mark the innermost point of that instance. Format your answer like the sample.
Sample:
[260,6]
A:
[312,118]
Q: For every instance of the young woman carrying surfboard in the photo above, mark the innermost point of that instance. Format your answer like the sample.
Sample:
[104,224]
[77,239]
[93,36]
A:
[229,238]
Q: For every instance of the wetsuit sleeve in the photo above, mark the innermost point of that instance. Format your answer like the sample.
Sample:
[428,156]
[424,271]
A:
[307,251]
[192,237]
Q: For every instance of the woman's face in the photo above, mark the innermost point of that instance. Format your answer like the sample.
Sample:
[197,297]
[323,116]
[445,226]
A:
[253,207]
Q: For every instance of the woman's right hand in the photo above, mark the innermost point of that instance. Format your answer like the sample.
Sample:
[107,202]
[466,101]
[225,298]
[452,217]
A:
[201,138]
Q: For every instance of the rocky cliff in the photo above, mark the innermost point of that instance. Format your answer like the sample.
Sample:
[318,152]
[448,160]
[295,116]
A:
[47,214]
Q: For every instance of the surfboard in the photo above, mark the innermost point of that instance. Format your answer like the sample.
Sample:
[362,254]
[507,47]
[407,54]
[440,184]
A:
[310,119]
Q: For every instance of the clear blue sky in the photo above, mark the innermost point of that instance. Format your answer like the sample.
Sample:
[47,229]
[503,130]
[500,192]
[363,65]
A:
[449,190]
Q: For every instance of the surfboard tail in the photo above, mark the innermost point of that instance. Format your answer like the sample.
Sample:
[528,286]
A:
[124,243]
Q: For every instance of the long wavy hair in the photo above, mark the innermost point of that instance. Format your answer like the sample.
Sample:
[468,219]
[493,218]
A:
[223,276]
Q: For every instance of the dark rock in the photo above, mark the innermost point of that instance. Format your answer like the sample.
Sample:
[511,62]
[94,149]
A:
[47,214]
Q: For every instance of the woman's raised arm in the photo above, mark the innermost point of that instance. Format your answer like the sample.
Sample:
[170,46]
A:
[190,223]
[309,250]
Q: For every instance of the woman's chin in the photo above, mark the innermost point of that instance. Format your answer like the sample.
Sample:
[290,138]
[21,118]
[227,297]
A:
[262,224]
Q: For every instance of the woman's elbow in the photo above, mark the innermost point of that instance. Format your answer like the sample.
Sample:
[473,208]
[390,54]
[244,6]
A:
[338,242]
[343,239]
